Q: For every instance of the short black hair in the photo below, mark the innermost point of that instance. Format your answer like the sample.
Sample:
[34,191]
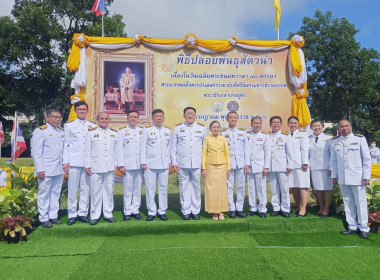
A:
[232,112]
[213,123]
[133,111]
[256,117]
[274,118]
[189,108]
[293,118]
[344,120]
[79,103]
[52,110]
[316,121]
[155,111]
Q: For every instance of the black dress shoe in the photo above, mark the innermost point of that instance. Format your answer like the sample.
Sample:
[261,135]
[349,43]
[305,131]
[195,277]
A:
[363,234]
[136,216]
[55,221]
[163,217]
[150,218]
[94,222]
[241,214]
[262,215]
[323,216]
[186,217]
[252,213]
[46,224]
[110,220]
[126,217]
[195,216]
[83,219]
[71,221]
[349,232]
[295,212]
[286,214]
[301,216]
[232,214]
[275,213]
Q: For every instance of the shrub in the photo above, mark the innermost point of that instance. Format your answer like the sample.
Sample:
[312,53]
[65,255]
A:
[15,229]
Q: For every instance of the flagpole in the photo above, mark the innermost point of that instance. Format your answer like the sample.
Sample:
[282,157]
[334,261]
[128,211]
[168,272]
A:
[278,33]
[14,140]
[102,25]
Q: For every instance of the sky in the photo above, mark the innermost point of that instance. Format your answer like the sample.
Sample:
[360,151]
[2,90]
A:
[244,19]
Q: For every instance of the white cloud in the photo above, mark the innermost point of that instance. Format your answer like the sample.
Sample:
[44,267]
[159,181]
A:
[207,19]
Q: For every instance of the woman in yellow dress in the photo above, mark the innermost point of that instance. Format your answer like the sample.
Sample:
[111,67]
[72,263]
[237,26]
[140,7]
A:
[216,170]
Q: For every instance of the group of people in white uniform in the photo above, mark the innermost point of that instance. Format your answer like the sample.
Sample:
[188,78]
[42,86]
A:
[90,153]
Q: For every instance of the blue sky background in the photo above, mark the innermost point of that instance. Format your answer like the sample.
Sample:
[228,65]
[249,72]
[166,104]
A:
[245,19]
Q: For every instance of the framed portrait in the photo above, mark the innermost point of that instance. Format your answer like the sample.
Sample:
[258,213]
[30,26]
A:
[123,82]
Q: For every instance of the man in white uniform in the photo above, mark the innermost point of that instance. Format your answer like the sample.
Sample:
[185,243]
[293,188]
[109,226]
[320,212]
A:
[47,149]
[155,160]
[350,165]
[260,152]
[375,152]
[73,164]
[100,164]
[279,170]
[127,82]
[128,162]
[186,157]
[239,161]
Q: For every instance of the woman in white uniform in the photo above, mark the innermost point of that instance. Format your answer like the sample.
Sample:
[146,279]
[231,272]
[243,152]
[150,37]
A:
[319,158]
[299,176]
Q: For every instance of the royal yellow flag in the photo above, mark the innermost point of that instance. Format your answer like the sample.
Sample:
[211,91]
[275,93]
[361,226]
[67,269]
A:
[277,14]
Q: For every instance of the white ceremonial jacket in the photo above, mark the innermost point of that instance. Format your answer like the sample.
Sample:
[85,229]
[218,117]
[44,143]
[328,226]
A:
[238,147]
[280,157]
[350,161]
[155,147]
[319,153]
[128,147]
[375,154]
[75,142]
[47,149]
[186,145]
[298,148]
[260,151]
[101,150]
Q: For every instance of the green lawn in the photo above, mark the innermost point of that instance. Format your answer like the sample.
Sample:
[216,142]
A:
[272,248]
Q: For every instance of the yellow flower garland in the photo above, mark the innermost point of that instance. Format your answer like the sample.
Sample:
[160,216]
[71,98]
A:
[188,45]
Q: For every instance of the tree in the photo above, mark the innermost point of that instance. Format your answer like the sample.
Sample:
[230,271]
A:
[343,78]
[34,47]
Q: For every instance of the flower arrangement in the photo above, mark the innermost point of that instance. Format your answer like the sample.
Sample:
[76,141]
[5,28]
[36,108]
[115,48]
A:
[191,41]
[298,41]
[80,40]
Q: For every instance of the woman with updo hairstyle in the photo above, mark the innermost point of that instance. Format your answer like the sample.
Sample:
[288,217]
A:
[319,158]
[299,176]
[216,170]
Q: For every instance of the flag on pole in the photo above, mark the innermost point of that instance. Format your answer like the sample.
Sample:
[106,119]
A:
[18,142]
[99,7]
[2,138]
[277,14]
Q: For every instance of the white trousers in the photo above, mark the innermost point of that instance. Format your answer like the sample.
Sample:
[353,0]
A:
[132,182]
[257,184]
[280,191]
[355,206]
[101,185]
[161,176]
[78,178]
[238,176]
[49,190]
[190,190]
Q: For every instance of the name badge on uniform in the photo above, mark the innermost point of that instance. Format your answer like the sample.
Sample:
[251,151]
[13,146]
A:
[113,136]
[259,139]
[197,131]
[166,134]
[354,143]
[297,137]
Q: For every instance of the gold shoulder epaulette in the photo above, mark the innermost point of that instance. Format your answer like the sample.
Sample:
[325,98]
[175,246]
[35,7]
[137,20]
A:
[141,126]
[328,134]
[167,126]
[240,128]
[301,130]
[149,125]
[335,137]
[201,124]
[285,132]
[42,127]
[92,128]
[224,129]
[70,121]
[178,124]
[61,127]
[113,129]
[360,135]
[248,131]
[265,132]
[123,127]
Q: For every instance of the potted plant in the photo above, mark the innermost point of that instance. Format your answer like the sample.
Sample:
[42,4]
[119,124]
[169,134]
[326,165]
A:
[14,230]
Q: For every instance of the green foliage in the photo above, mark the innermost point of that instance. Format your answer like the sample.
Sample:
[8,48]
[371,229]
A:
[343,78]
[373,196]
[11,227]
[337,200]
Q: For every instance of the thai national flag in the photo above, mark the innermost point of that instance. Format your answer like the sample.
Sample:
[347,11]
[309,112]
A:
[1,134]
[18,142]
[99,7]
